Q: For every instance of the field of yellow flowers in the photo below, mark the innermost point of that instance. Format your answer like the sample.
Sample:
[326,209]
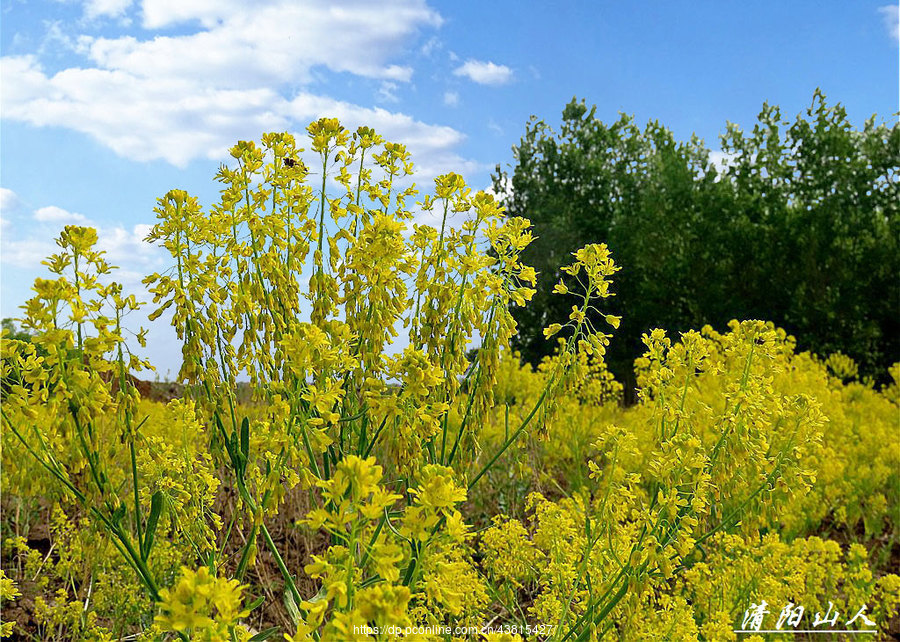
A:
[398,474]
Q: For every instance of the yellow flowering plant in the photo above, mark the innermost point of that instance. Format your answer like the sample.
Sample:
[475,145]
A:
[437,484]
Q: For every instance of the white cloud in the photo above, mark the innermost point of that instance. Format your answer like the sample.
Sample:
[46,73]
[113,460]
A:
[128,247]
[106,8]
[56,39]
[26,253]
[244,44]
[451,98]
[484,73]
[505,191]
[167,13]
[431,46]
[53,214]
[387,92]
[431,146]
[238,74]
[26,248]
[9,200]
[140,119]
[891,16]
[721,160]
[134,257]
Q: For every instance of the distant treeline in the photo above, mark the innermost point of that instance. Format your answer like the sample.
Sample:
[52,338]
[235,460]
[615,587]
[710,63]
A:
[796,223]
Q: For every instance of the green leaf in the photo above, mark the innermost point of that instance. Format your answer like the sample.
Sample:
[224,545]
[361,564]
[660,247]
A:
[256,603]
[265,635]
[156,505]
[245,439]
[291,607]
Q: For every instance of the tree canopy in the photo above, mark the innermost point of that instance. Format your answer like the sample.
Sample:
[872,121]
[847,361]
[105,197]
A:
[793,222]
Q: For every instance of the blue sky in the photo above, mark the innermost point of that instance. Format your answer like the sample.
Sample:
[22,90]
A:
[108,104]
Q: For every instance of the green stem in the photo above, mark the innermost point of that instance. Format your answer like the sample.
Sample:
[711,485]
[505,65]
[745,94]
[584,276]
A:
[285,573]
[513,437]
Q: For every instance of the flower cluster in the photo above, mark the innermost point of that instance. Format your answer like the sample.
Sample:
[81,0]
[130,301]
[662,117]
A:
[203,606]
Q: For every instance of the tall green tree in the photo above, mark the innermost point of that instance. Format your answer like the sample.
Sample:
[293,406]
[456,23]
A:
[799,225]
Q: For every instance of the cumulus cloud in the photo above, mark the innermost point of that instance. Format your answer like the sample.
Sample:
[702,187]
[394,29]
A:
[239,71]
[56,40]
[33,242]
[126,248]
[271,43]
[891,16]
[105,8]
[53,214]
[484,73]
[451,98]
[9,200]
[27,252]
[431,146]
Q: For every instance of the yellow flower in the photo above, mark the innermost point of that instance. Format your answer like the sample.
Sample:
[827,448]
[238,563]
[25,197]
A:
[200,604]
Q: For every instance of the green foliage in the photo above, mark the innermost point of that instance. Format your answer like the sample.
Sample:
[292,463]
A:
[800,226]
[15,333]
